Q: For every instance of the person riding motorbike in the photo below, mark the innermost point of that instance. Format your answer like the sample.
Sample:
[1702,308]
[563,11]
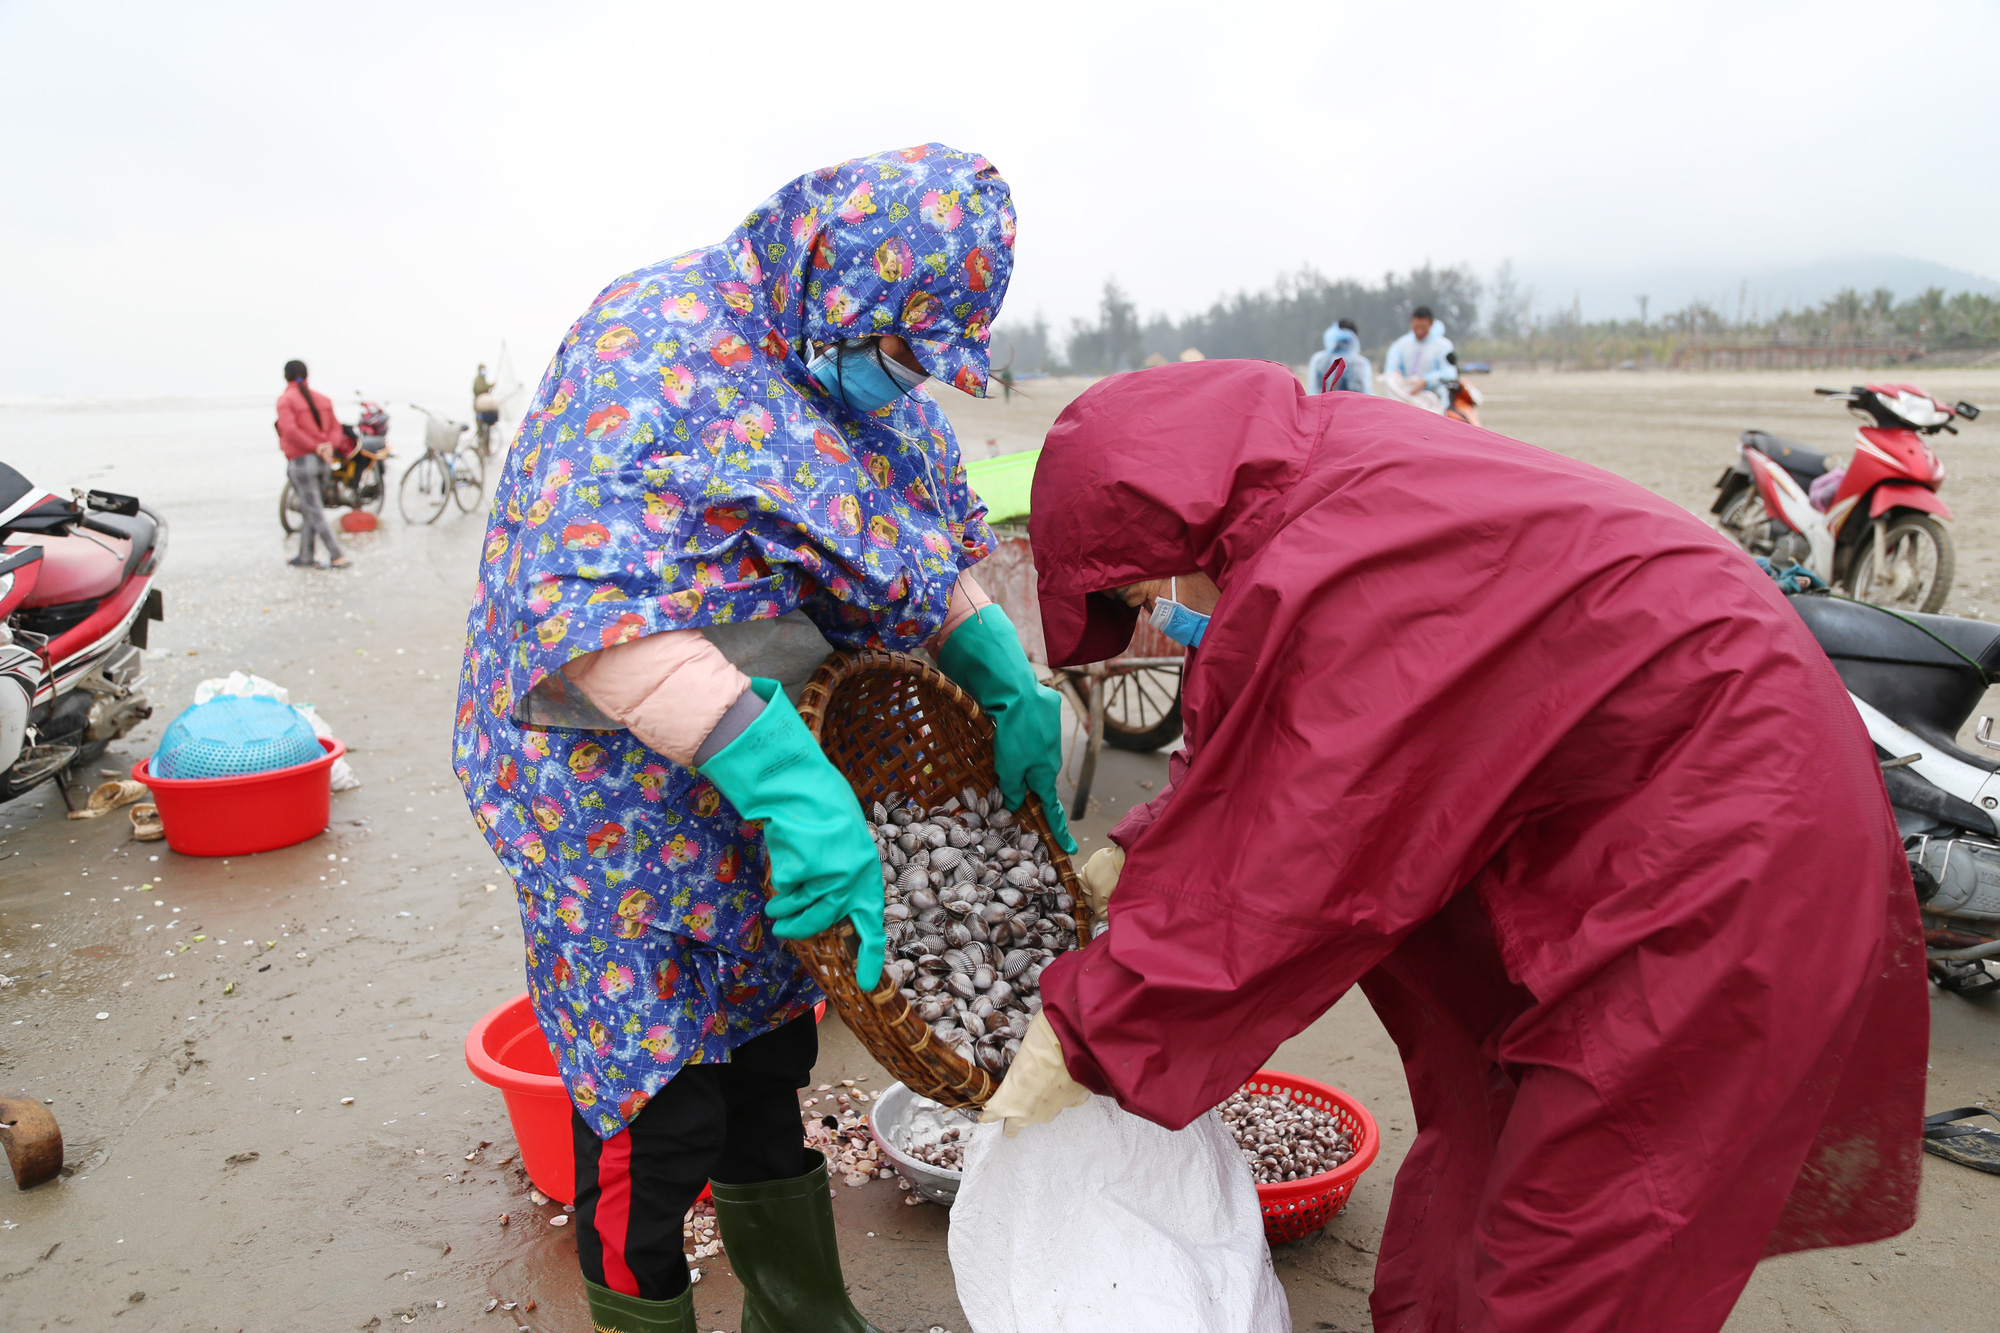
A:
[732,452]
[1545,810]
[1417,364]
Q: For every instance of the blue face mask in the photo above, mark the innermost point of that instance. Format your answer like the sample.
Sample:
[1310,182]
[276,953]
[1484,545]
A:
[1176,621]
[859,375]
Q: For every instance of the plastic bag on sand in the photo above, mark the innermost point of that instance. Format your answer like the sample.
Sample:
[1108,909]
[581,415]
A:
[244,686]
[1101,1222]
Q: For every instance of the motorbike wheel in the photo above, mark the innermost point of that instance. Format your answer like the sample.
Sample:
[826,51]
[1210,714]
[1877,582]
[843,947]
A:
[1743,522]
[1919,565]
[289,514]
[425,491]
[373,489]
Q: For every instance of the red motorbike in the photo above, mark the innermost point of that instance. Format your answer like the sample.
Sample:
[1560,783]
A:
[1871,527]
[76,598]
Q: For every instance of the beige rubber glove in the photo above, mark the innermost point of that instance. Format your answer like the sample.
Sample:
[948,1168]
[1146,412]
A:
[1099,877]
[1038,1087]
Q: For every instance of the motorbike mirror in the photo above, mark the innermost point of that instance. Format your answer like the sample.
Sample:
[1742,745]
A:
[1968,411]
[110,502]
[1826,393]
[1452,357]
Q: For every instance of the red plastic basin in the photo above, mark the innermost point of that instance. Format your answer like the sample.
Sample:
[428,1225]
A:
[251,812]
[507,1050]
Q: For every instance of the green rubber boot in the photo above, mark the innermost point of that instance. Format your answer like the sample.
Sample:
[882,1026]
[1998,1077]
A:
[615,1312]
[779,1238]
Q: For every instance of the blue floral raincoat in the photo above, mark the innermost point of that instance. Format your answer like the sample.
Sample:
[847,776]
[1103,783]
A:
[680,469]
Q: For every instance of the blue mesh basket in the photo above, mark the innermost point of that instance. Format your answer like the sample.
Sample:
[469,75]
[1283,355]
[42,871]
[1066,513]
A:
[228,736]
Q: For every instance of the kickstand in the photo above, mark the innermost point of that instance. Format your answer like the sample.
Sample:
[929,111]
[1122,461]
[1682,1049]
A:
[62,790]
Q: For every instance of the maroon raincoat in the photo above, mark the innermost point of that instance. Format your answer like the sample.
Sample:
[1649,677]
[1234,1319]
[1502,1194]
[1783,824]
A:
[1553,772]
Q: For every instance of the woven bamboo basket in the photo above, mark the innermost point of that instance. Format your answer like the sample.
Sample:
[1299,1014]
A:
[894,726]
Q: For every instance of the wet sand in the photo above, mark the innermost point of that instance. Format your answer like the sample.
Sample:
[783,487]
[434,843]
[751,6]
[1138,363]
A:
[358,960]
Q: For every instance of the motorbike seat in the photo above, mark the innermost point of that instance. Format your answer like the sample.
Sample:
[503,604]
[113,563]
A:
[138,529]
[75,568]
[1793,457]
[1900,668]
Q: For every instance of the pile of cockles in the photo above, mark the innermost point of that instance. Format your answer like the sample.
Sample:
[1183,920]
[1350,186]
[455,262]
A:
[975,911]
[1282,1139]
[947,1152]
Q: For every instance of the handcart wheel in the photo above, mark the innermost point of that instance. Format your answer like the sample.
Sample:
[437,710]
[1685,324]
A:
[1142,707]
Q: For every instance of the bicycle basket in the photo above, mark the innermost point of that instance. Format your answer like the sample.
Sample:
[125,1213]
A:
[442,435]
[230,736]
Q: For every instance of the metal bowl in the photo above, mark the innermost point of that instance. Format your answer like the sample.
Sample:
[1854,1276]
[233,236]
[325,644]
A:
[898,1114]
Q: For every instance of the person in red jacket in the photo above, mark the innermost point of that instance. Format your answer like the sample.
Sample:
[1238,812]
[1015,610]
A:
[308,433]
[1556,776]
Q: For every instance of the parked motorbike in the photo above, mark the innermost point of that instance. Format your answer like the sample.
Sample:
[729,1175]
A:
[76,599]
[1872,527]
[1915,680]
[359,477]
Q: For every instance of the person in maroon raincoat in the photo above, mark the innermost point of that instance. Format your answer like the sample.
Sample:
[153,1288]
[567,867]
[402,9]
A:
[1555,775]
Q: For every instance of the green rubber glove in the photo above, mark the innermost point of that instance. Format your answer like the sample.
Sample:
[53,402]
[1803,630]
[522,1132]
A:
[823,862]
[984,656]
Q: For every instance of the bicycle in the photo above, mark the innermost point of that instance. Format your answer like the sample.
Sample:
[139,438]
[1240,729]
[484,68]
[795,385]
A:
[450,470]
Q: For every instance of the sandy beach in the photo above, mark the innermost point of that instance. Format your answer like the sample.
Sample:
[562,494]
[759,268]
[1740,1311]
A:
[197,1026]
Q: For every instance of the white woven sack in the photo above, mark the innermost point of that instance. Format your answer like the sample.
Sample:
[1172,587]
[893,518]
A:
[1101,1222]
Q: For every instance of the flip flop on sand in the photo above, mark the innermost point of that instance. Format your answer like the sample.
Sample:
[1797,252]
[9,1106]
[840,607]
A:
[1968,1145]
[109,797]
[146,823]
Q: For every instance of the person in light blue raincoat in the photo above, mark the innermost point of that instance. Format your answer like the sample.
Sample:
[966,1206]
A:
[1416,361]
[1343,343]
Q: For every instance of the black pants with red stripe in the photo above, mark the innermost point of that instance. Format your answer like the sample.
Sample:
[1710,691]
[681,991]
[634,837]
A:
[737,1123]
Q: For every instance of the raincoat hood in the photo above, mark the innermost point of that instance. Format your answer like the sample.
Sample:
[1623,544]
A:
[918,242]
[1186,467]
[1341,342]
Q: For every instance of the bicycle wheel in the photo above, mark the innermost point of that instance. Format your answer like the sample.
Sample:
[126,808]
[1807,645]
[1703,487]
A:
[468,479]
[425,489]
[289,515]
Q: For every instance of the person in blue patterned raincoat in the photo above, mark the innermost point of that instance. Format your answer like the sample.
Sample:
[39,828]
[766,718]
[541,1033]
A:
[730,465]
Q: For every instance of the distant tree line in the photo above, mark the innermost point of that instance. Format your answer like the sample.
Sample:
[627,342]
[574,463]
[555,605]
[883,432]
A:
[1285,321]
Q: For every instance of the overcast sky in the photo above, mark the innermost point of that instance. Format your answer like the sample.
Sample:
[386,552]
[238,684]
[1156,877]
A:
[192,193]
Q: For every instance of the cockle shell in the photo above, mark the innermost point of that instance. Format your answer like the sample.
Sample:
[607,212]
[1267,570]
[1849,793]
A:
[912,878]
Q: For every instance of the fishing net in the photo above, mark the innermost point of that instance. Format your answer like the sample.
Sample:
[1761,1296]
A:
[229,736]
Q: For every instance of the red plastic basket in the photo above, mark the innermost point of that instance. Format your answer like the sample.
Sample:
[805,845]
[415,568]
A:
[251,812]
[507,1050]
[1294,1209]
